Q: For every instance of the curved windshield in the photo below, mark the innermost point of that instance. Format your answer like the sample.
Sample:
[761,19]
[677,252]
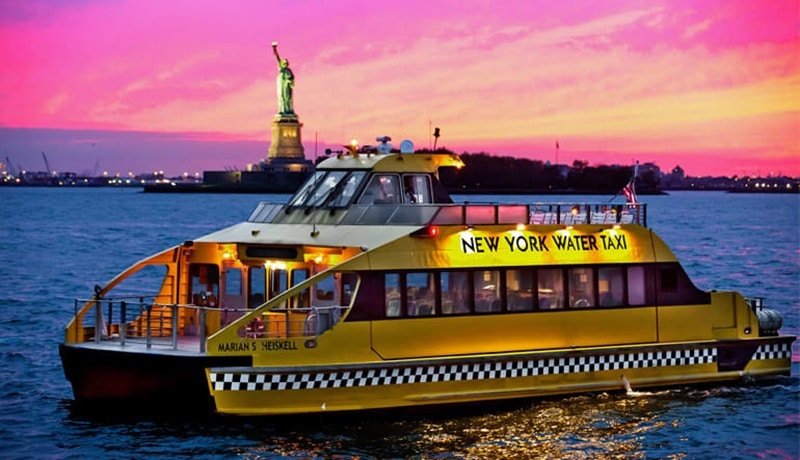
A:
[304,192]
[328,188]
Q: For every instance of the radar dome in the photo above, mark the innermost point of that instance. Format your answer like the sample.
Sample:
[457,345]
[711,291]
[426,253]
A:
[406,146]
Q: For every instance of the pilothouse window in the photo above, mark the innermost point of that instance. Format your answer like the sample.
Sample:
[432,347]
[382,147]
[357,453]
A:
[382,189]
[417,188]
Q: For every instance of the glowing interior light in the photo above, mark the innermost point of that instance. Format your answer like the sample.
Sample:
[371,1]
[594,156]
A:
[615,227]
[520,227]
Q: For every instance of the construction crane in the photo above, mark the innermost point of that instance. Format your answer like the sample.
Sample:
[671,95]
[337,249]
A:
[10,167]
[47,165]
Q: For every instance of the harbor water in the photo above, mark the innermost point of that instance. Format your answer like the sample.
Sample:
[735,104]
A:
[58,243]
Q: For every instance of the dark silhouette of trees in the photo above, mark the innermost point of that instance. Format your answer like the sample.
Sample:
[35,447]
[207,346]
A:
[485,173]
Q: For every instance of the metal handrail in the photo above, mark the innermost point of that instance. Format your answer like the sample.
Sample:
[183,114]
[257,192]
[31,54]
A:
[469,213]
[151,328]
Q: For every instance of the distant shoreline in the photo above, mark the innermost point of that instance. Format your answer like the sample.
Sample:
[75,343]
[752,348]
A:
[250,189]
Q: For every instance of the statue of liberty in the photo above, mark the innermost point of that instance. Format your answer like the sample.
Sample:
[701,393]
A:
[285,84]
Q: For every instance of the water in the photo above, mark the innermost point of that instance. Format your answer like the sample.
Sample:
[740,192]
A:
[57,244]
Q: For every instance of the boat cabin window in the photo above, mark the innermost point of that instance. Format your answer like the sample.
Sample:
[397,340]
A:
[278,281]
[486,291]
[669,279]
[519,289]
[302,300]
[232,287]
[550,288]
[324,292]
[257,286]
[393,296]
[382,189]
[611,286]
[204,282]
[675,287]
[581,287]
[420,294]
[455,289]
[349,281]
[636,285]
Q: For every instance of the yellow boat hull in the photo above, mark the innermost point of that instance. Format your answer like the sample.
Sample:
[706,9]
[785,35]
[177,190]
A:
[290,390]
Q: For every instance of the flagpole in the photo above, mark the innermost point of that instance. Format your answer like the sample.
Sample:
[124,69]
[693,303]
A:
[631,183]
[557,147]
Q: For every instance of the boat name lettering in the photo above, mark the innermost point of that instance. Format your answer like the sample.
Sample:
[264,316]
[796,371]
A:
[229,347]
[278,345]
[253,346]
[614,241]
[523,244]
[472,244]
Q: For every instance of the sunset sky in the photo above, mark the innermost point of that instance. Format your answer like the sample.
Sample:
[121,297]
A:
[186,86]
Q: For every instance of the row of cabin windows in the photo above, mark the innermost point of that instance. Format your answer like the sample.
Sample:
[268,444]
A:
[262,284]
[457,292]
[266,284]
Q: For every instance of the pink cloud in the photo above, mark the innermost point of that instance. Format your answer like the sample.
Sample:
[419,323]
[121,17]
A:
[626,77]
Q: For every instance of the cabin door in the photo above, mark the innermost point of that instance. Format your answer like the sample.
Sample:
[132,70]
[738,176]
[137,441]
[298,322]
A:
[232,291]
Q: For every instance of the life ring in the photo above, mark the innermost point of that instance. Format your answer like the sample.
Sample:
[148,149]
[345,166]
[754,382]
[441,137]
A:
[255,328]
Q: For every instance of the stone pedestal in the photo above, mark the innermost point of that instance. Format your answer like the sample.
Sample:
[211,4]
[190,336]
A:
[286,140]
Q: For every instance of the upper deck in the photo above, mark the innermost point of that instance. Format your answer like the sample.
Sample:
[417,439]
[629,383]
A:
[404,190]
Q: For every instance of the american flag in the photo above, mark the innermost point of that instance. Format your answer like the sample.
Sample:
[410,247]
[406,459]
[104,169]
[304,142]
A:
[630,192]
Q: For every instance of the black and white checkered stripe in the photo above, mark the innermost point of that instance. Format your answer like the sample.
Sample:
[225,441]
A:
[774,351]
[253,379]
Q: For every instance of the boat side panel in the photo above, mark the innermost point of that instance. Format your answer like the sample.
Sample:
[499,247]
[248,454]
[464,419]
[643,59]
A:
[344,343]
[452,336]
[726,317]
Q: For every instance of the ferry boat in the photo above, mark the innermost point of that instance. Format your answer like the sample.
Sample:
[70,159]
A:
[370,288]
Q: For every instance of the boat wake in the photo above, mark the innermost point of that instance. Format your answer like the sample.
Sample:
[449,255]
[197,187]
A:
[631,392]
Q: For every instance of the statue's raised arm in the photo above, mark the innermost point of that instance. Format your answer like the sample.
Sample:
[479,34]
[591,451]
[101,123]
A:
[285,84]
[275,51]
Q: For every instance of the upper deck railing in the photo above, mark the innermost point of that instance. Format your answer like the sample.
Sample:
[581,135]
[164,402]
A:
[466,214]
